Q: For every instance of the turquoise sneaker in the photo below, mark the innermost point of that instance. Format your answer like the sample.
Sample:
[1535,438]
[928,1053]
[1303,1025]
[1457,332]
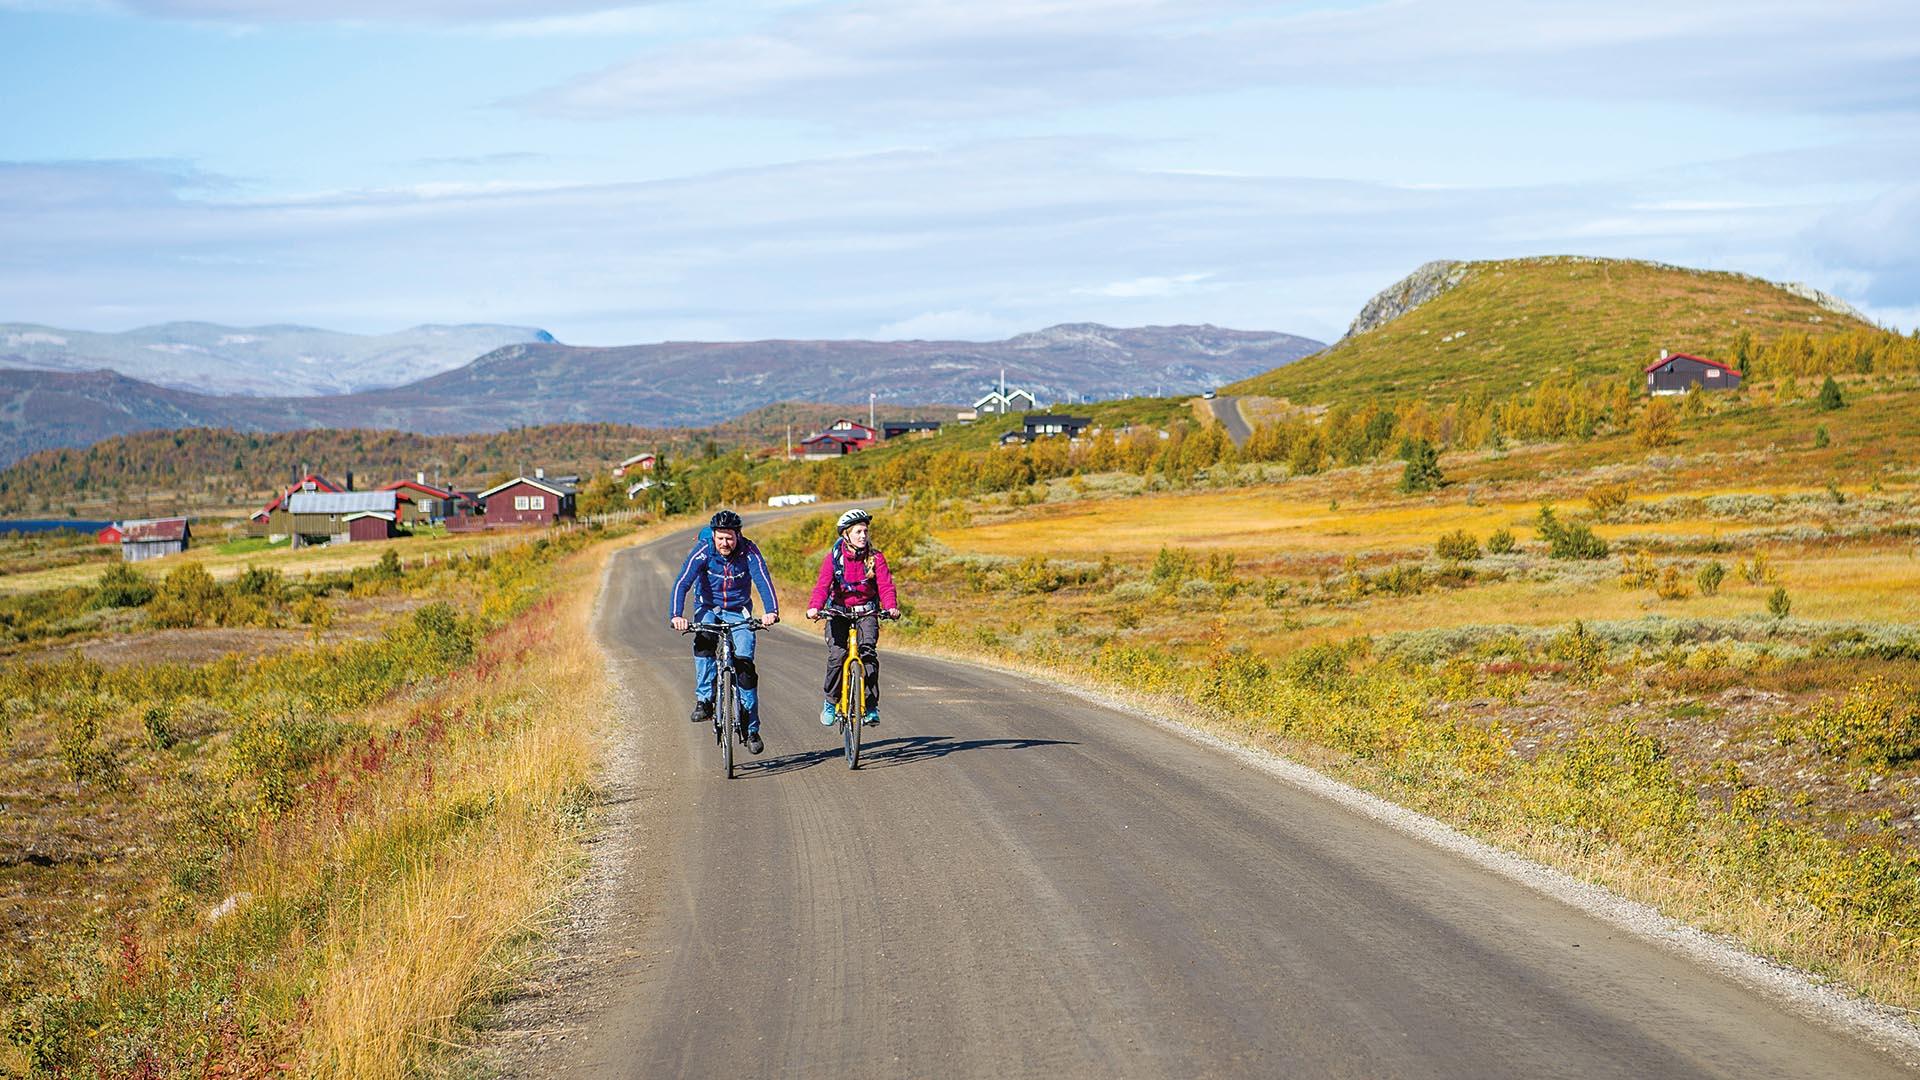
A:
[872,717]
[826,714]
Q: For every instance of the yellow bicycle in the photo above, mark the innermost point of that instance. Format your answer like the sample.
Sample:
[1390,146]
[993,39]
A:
[853,685]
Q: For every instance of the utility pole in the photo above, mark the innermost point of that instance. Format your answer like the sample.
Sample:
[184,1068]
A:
[870,397]
[789,440]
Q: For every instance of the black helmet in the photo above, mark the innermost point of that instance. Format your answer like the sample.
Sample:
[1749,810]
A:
[726,519]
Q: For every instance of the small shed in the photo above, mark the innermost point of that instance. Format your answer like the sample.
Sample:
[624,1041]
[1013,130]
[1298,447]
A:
[110,534]
[369,525]
[153,538]
[1679,372]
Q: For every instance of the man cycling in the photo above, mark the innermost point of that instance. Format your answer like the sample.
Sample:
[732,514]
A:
[722,570]
[855,576]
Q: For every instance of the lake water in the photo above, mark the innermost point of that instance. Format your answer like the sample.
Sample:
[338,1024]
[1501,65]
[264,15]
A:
[50,525]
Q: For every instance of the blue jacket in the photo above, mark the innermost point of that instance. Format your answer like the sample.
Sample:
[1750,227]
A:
[722,583]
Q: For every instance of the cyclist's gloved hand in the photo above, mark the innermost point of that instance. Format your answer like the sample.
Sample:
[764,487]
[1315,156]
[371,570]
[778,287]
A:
[680,624]
[813,614]
[769,618]
[892,613]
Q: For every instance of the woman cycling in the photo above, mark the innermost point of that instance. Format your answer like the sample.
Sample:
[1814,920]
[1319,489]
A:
[854,576]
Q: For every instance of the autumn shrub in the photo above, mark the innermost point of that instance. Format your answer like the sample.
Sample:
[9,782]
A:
[1607,500]
[1876,723]
[1638,571]
[1583,652]
[1672,585]
[1779,604]
[1233,680]
[121,585]
[86,756]
[188,596]
[1612,782]
[1172,566]
[1458,545]
[1710,577]
[1758,570]
[1576,540]
[157,720]
[1501,542]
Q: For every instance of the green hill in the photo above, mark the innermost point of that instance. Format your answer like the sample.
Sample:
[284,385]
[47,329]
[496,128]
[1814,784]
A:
[1501,326]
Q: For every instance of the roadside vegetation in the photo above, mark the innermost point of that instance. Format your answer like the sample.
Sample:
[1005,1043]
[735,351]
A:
[1690,672]
[323,859]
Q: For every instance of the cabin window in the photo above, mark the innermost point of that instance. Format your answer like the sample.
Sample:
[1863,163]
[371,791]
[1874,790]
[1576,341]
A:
[1713,374]
[539,502]
[520,502]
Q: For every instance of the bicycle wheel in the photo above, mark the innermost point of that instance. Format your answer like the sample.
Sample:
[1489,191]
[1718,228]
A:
[728,710]
[856,708]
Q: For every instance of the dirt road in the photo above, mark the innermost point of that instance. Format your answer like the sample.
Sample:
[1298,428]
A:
[1022,883]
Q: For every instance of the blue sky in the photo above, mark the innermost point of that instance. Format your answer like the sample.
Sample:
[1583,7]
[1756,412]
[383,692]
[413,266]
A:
[923,168]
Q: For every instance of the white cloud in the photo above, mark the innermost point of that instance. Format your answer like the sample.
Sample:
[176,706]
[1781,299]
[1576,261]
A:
[339,11]
[977,240]
[1155,286]
[959,325]
[930,58]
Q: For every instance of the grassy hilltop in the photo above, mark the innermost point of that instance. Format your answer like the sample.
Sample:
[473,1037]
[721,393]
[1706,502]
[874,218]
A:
[1512,323]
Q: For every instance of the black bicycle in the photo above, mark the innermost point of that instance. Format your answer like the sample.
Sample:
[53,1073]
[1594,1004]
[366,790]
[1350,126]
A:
[853,681]
[727,730]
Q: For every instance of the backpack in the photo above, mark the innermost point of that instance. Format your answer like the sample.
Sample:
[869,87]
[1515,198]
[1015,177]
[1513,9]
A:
[839,558]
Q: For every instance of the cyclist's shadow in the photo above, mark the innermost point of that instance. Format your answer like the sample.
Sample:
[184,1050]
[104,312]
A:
[904,750]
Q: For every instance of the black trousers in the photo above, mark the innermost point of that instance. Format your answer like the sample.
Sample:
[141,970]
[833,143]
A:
[837,629]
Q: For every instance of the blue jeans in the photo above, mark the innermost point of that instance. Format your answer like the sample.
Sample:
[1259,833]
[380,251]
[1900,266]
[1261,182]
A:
[746,678]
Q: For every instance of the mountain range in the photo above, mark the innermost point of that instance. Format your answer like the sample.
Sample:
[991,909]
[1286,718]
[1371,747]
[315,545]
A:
[258,361]
[542,381]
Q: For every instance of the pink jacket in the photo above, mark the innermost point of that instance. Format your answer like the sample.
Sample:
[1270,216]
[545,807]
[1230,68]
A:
[857,588]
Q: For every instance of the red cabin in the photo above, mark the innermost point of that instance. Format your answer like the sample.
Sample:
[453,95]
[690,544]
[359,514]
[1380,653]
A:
[527,501]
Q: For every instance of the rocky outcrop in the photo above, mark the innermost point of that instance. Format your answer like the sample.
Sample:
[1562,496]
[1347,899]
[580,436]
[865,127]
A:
[1429,281]
[1826,300]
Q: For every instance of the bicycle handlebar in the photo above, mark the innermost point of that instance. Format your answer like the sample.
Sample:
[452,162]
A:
[754,625]
[843,612]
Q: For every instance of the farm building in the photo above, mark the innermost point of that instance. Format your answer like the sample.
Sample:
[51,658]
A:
[1003,400]
[109,534]
[1680,372]
[524,500]
[1051,424]
[894,429]
[154,537]
[273,519]
[421,503]
[825,446]
[337,517]
[641,462]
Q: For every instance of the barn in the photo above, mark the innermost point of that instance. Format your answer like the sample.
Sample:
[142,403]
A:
[152,538]
[1679,372]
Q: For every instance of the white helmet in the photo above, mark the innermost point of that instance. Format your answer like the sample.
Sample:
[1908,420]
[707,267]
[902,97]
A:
[855,516]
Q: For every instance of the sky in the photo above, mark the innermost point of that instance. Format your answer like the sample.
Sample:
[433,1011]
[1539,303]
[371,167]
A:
[890,169]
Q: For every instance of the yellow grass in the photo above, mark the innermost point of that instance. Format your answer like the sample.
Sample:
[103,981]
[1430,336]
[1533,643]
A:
[404,972]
